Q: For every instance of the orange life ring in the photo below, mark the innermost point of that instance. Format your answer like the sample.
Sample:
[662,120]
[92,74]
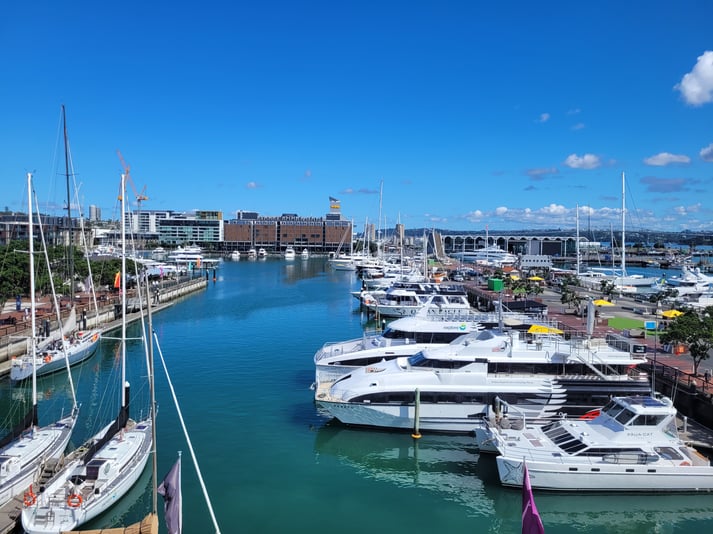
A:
[29,498]
[74,500]
[48,358]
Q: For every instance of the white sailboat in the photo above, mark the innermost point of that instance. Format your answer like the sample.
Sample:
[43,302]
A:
[28,448]
[68,343]
[107,466]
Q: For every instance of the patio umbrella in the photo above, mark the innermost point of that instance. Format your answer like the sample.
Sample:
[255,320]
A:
[602,302]
[536,279]
[541,329]
[671,314]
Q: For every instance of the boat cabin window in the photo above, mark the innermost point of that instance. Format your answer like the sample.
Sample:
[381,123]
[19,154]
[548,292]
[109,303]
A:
[648,419]
[625,416]
[613,409]
[668,453]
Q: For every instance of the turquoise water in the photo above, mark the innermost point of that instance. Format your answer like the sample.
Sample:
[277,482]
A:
[240,358]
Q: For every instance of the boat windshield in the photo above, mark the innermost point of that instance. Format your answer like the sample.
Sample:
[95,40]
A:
[625,416]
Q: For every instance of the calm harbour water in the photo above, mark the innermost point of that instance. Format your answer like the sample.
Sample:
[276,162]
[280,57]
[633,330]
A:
[240,358]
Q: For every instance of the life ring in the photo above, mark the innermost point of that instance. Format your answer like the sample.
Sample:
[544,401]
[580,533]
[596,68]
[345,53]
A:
[74,500]
[48,358]
[29,498]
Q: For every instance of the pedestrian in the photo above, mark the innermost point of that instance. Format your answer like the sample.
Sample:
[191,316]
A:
[707,375]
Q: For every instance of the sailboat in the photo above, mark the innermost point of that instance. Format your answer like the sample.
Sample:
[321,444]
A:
[100,472]
[27,448]
[623,281]
[67,344]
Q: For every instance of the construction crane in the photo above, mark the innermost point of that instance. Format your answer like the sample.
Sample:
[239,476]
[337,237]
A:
[139,197]
[127,172]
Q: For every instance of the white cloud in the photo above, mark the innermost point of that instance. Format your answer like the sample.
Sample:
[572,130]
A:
[544,117]
[252,185]
[500,211]
[696,87]
[706,153]
[587,161]
[666,158]
[578,126]
[554,209]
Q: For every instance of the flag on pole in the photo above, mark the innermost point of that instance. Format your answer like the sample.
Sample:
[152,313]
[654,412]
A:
[170,488]
[531,521]
[117,280]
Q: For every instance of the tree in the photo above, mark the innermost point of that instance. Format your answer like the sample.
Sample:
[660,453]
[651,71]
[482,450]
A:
[607,287]
[696,331]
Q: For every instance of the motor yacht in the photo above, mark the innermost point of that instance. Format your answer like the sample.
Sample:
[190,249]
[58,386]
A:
[631,445]
[448,389]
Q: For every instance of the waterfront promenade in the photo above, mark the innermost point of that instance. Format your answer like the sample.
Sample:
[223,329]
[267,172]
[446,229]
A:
[13,336]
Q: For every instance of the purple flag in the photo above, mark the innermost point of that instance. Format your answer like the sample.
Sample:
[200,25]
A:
[170,488]
[531,521]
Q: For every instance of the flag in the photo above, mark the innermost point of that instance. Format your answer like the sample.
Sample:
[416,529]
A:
[170,488]
[332,199]
[531,521]
[117,280]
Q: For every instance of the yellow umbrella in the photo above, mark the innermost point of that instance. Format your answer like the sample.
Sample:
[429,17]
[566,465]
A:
[671,314]
[602,302]
[541,329]
[536,279]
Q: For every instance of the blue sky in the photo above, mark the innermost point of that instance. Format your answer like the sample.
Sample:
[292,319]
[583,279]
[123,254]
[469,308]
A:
[506,114]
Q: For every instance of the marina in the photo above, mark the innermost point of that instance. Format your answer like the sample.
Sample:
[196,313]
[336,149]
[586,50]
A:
[241,356]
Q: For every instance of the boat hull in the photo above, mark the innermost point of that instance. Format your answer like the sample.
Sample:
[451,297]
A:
[54,361]
[598,476]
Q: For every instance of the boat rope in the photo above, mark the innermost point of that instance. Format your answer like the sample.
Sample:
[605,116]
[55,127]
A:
[188,439]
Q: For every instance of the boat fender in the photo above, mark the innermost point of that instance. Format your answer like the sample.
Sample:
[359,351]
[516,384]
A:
[685,463]
[74,500]
[48,358]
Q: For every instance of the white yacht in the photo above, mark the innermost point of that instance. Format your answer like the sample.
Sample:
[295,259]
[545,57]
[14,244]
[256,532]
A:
[261,253]
[235,255]
[632,445]
[431,327]
[252,254]
[491,256]
[400,301]
[304,254]
[451,387]
[289,253]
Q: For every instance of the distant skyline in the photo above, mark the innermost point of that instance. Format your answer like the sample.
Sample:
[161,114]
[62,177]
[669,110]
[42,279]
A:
[508,114]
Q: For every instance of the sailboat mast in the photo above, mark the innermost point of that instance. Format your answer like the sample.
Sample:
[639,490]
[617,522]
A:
[154,464]
[623,225]
[577,247]
[123,291]
[33,304]
[70,247]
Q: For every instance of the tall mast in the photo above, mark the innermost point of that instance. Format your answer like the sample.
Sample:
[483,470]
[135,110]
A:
[623,225]
[577,247]
[33,305]
[70,248]
[122,285]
